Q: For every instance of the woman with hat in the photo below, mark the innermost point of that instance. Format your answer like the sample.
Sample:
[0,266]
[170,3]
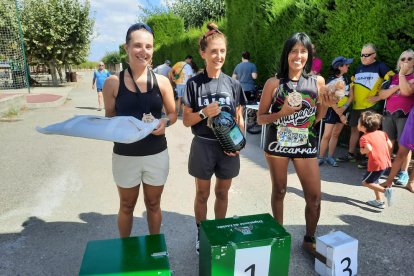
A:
[335,118]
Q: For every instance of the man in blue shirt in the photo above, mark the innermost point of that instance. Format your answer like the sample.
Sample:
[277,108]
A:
[246,72]
[100,76]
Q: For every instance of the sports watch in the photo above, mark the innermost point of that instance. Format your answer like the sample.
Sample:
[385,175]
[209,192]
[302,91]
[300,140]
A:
[167,122]
[202,115]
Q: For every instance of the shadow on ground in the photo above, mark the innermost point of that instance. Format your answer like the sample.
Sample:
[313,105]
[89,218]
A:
[56,248]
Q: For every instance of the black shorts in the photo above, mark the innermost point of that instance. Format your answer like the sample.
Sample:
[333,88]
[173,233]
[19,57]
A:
[372,177]
[250,96]
[332,117]
[355,114]
[208,158]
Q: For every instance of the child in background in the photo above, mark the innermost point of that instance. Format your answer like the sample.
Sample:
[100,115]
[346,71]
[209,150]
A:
[376,145]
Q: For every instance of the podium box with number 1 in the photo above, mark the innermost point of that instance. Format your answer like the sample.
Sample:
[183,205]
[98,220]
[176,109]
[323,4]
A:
[248,245]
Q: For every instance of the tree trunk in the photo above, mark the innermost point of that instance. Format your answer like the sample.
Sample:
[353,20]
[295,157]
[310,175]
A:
[59,70]
[52,68]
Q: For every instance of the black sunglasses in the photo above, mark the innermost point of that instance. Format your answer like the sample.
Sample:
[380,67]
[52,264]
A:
[367,55]
[408,59]
[139,26]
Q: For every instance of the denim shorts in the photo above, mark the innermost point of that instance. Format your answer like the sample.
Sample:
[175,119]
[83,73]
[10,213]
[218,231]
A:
[180,88]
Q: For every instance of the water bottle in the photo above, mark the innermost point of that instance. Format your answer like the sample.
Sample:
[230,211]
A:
[228,133]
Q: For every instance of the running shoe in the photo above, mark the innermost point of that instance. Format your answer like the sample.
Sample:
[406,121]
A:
[331,161]
[321,161]
[363,164]
[402,179]
[376,203]
[309,244]
[349,157]
[389,195]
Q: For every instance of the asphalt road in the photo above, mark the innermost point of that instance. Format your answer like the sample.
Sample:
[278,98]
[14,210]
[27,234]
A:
[58,193]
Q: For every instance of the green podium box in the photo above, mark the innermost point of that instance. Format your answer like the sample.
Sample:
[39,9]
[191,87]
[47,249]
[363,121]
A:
[248,245]
[144,255]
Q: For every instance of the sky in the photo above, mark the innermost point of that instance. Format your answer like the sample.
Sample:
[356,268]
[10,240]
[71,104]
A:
[112,19]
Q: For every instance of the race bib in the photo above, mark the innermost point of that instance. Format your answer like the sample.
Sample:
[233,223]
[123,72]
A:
[291,136]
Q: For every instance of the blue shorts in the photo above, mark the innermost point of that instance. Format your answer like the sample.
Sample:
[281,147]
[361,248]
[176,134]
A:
[180,88]
[372,177]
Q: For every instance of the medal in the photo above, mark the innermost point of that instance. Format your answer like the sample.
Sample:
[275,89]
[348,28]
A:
[295,98]
[145,104]
[148,118]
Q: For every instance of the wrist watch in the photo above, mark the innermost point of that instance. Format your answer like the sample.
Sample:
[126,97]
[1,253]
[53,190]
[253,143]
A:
[167,122]
[202,115]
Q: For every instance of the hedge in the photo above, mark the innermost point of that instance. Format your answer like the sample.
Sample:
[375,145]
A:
[336,27]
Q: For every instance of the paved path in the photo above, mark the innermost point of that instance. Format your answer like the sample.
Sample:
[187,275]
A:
[58,193]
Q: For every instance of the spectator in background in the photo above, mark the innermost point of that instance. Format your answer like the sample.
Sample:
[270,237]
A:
[316,62]
[376,145]
[246,72]
[335,118]
[366,82]
[194,67]
[399,107]
[163,69]
[180,73]
[399,100]
[99,76]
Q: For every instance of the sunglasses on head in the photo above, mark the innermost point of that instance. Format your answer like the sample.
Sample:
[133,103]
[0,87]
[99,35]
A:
[139,26]
[367,55]
[408,59]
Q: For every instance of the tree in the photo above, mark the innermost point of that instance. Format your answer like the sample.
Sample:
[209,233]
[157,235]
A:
[8,25]
[56,32]
[194,12]
[112,58]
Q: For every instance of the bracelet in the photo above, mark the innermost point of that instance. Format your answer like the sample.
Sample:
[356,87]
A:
[346,105]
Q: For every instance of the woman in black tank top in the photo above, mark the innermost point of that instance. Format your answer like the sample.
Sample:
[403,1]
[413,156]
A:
[295,106]
[140,93]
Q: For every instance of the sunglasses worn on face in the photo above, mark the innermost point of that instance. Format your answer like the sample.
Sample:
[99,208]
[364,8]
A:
[367,55]
[408,59]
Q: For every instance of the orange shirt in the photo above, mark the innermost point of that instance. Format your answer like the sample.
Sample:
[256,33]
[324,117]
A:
[379,158]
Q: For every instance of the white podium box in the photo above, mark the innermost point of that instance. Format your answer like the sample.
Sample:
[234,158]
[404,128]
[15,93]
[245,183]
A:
[341,252]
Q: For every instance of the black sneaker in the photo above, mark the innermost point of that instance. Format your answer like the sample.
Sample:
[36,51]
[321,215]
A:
[349,157]
[363,164]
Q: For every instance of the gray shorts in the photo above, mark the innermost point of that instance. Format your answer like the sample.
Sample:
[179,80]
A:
[355,114]
[393,126]
[130,171]
[208,158]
